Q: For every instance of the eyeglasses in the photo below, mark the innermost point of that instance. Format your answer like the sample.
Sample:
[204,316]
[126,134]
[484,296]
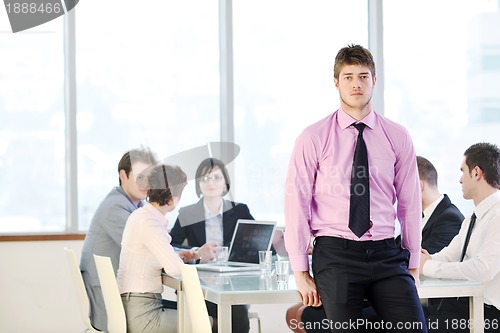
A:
[216,178]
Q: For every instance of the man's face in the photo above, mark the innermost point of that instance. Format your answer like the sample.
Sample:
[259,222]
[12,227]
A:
[467,181]
[355,85]
[129,183]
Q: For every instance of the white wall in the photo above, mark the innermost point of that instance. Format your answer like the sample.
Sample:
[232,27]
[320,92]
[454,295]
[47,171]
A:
[36,289]
[37,295]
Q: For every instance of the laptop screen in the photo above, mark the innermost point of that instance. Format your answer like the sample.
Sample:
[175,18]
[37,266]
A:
[249,238]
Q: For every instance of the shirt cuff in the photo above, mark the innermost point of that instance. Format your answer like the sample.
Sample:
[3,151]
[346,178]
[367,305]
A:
[430,268]
[414,260]
[299,262]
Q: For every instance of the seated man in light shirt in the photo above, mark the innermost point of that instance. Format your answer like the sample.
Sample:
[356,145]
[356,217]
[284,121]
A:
[474,253]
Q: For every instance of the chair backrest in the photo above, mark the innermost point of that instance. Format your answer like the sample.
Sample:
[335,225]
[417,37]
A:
[81,292]
[117,322]
[195,300]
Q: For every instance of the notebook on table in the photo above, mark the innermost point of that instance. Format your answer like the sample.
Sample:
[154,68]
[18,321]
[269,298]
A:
[249,238]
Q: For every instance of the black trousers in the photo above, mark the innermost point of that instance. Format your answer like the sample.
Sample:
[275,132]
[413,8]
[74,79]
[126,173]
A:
[452,315]
[348,272]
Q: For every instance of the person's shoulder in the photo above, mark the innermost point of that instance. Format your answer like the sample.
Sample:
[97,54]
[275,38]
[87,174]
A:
[453,208]
[111,202]
[322,125]
[447,212]
[190,208]
[144,213]
[235,204]
[316,133]
[396,134]
[391,125]
[192,213]
[116,197]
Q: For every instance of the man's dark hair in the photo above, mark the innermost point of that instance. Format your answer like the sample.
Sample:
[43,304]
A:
[486,156]
[426,171]
[165,182]
[353,55]
[135,155]
[205,167]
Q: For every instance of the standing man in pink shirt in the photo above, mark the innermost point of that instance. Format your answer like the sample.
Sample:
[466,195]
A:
[346,174]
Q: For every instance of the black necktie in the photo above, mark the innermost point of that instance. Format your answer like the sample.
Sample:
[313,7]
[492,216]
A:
[359,210]
[469,232]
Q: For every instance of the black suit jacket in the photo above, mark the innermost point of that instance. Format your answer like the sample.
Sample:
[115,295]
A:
[442,226]
[190,223]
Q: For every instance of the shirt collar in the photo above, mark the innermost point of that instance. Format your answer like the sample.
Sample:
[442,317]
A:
[486,204]
[139,204]
[430,209]
[149,207]
[209,214]
[345,120]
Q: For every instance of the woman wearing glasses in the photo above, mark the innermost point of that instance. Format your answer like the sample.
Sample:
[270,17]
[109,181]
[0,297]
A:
[212,219]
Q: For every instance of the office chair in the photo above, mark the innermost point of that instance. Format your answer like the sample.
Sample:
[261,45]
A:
[81,292]
[194,299]
[255,315]
[117,322]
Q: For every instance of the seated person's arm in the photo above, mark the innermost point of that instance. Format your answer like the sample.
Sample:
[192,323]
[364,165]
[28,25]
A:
[178,235]
[201,255]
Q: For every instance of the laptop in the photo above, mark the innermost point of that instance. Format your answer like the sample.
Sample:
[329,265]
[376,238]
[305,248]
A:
[249,238]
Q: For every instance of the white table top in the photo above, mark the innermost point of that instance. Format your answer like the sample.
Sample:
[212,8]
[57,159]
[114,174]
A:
[244,285]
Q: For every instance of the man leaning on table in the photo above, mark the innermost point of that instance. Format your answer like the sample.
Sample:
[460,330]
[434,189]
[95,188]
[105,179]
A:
[345,174]
[474,254]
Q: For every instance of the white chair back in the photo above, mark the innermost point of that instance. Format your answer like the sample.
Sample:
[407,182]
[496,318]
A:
[81,292]
[195,300]
[117,322]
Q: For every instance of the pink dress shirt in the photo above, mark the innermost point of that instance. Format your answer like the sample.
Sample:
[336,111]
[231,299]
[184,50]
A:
[317,187]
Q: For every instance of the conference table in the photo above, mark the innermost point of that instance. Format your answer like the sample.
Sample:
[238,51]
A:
[226,289]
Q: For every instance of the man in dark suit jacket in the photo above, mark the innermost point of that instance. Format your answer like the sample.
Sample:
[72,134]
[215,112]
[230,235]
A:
[442,226]
[441,219]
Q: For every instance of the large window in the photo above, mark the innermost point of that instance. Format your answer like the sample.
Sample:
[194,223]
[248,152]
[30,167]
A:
[441,81]
[284,53]
[148,76]
[32,196]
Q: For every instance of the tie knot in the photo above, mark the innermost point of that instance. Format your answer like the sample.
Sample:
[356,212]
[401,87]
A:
[360,127]
[473,217]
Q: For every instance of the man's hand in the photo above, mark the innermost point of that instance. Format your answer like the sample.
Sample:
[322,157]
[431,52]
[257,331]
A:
[207,252]
[187,255]
[424,256]
[416,277]
[307,289]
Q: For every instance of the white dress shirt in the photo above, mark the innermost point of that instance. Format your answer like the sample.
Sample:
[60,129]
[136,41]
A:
[213,226]
[145,251]
[482,259]
[430,209]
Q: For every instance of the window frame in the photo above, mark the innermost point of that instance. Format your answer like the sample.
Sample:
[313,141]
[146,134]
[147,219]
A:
[375,37]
